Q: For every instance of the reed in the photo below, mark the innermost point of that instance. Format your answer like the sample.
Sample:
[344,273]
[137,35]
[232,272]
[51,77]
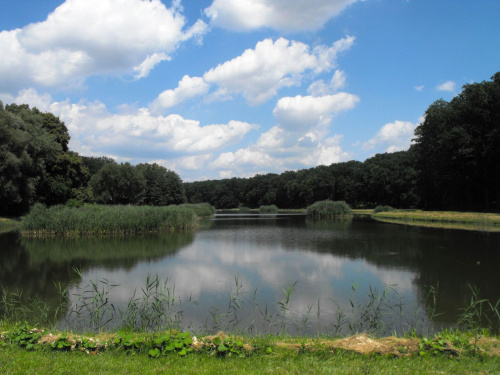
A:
[328,209]
[107,220]
[200,209]
[272,209]
[383,209]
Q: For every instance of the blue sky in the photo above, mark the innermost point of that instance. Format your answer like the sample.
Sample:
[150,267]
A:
[231,88]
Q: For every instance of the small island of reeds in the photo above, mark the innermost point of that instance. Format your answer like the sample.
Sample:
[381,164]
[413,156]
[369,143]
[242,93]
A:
[272,209]
[111,220]
[329,209]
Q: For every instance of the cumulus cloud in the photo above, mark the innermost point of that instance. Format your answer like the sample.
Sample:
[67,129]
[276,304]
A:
[188,87]
[301,113]
[259,73]
[284,15]
[87,37]
[447,86]
[395,136]
[320,88]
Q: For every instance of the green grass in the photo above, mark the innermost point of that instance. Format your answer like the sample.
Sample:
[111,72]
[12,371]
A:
[328,209]
[447,219]
[110,220]
[200,209]
[272,209]
[284,356]
[7,225]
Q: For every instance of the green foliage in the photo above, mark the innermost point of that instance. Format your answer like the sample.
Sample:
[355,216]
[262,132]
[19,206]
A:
[382,209]
[271,209]
[118,184]
[457,151]
[25,337]
[101,220]
[328,209]
[163,187]
[178,343]
[227,347]
[62,343]
[201,209]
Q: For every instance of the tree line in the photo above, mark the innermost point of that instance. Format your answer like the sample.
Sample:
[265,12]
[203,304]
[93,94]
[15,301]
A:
[453,163]
[36,165]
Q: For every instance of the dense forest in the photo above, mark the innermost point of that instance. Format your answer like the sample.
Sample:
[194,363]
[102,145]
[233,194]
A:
[454,163]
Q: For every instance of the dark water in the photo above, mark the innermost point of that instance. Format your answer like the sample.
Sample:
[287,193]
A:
[232,273]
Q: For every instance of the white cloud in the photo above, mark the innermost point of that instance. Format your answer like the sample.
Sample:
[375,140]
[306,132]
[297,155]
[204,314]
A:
[395,136]
[188,87]
[320,88]
[447,86]
[285,15]
[301,113]
[147,65]
[88,37]
[243,157]
[259,73]
[419,88]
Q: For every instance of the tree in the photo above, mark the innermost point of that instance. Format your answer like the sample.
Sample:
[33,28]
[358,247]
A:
[163,187]
[118,184]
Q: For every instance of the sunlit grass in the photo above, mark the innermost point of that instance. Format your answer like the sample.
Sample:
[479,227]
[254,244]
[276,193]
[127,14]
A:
[447,219]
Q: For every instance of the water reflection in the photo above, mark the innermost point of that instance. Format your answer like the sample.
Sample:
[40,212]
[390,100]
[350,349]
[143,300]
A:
[256,259]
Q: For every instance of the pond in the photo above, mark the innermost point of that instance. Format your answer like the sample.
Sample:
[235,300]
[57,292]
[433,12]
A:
[260,274]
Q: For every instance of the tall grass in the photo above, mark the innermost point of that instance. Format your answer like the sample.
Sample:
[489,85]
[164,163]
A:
[328,209]
[272,209]
[101,220]
[200,209]
[383,209]
[156,307]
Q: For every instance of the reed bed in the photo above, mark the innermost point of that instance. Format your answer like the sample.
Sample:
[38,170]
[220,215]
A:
[329,209]
[474,220]
[106,220]
[200,209]
[272,209]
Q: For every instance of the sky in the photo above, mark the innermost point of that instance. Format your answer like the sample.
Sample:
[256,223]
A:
[217,89]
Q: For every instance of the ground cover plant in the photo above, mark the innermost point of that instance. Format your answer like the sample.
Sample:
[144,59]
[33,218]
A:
[110,220]
[328,209]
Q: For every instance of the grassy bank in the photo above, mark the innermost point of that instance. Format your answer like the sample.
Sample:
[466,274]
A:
[7,225]
[447,219]
[24,350]
[110,220]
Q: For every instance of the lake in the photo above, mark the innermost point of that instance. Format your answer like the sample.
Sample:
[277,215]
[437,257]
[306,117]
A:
[260,274]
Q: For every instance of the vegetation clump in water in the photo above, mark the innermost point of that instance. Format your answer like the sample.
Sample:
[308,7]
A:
[329,209]
[383,209]
[272,209]
[114,220]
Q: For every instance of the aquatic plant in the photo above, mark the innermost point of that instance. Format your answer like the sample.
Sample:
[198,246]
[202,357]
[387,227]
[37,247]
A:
[108,220]
[328,209]
[272,209]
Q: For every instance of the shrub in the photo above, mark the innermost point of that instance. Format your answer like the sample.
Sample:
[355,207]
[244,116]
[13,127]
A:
[272,209]
[383,209]
[327,209]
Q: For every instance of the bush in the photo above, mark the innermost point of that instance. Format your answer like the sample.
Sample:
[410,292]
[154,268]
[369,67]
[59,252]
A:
[328,209]
[383,209]
[272,209]
[200,209]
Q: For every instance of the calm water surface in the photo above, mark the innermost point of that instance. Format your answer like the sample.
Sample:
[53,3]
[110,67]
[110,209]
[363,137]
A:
[333,265]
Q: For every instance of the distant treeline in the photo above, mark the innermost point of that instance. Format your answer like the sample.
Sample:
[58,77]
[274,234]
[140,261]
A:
[36,166]
[454,163]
